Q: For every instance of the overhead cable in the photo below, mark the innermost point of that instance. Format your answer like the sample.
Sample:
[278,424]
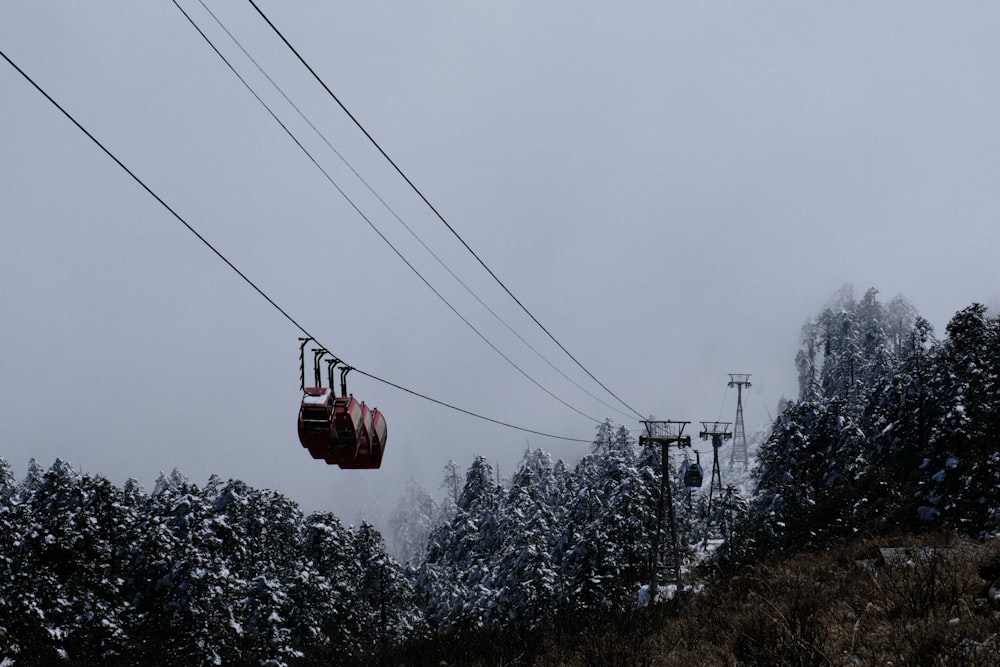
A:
[375,227]
[434,210]
[246,278]
[392,211]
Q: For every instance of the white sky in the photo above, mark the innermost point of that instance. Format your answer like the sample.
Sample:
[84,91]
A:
[671,188]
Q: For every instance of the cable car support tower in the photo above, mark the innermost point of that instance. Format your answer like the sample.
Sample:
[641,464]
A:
[718,432]
[739,454]
[665,433]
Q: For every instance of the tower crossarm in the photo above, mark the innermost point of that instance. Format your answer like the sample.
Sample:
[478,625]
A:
[737,379]
[713,429]
[666,432]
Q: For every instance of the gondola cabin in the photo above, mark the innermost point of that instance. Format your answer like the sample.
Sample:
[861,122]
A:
[349,426]
[338,429]
[378,434]
[372,445]
[316,426]
[691,475]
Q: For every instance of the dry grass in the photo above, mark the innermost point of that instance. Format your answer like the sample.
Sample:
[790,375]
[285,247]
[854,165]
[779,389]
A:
[845,606]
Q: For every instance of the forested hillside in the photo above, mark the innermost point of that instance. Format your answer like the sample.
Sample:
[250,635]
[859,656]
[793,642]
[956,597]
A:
[893,431]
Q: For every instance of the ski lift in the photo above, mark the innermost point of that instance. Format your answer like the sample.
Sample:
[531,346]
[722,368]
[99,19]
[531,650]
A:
[691,473]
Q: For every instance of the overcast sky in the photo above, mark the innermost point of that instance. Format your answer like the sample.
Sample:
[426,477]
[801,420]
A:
[672,189]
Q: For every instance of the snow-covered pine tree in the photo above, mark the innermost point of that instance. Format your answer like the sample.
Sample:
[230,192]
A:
[411,522]
[527,583]
[267,638]
[66,573]
[808,361]
[108,517]
[192,606]
[259,534]
[452,483]
[842,353]
[382,608]
[454,581]
[10,534]
[960,484]
[820,470]
[850,346]
[321,593]
[44,586]
[899,418]
[603,549]
[7,485]
[806,473]
[899,320]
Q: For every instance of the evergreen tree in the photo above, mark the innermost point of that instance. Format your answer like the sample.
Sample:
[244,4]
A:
[411,522]
[44,582]
[108,518]
[527,583]
[63,594]
[961,473]
[7,484]
[257,533]
[382,604]
[900,319]
[321,593]
[10,644]
[808,361]
[94,574]
[806,474]
[193,603]
[603,551]
[850,346]
[267,638]
[452,484]
[455,580]
[899,419]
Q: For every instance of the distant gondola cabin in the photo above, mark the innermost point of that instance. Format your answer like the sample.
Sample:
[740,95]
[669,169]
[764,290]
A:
[691,475]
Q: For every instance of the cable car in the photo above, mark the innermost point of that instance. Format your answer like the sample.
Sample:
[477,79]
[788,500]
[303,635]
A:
[316,429]
[349,430]
[371,444]
[338,429]
[379,432]
[691,473]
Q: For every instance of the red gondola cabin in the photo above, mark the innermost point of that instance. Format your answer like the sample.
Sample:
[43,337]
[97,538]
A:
[340,430]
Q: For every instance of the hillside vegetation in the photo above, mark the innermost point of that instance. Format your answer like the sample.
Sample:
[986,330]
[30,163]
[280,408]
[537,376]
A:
[929,604]
[892,441]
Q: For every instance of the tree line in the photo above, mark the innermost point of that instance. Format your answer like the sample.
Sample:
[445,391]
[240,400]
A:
[892,430]
[226,573]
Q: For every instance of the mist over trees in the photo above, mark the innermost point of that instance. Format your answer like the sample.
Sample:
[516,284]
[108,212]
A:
[892,430]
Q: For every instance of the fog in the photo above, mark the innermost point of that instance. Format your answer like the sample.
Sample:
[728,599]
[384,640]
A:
[671,189]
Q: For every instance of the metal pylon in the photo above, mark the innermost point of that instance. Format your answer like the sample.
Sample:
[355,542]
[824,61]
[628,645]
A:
[739,454]
[718,432]
[665,433]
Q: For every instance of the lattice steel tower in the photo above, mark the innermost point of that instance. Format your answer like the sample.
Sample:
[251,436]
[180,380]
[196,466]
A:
[718,432]
[739,455]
